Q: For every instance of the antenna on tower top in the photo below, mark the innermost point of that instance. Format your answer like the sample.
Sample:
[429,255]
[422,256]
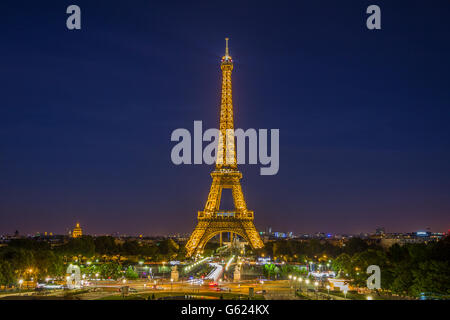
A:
[226,47]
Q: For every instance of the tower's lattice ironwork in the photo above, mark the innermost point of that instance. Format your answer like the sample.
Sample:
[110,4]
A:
[212,220]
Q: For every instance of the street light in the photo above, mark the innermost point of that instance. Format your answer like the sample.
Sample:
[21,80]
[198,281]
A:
[316,285]
[164,269]
[306,286]
[345,293]
[300,283]
[171,284]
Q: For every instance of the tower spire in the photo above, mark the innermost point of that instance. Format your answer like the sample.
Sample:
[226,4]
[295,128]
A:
[226,156]
[226,47]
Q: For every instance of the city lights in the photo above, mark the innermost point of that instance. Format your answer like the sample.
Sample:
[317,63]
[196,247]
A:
[126,174]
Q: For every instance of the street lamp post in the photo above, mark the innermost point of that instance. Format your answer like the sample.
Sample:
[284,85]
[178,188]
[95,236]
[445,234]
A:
[316,285]
[171,284]
[20,284]
[306,286]
[328,288]
[164,270]
[96,279]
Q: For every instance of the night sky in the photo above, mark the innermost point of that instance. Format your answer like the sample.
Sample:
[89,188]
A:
[86,116]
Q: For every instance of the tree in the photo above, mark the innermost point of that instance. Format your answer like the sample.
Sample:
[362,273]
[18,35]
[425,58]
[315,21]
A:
[269,270]
[110,270]
[7,277]
[20,260]
[106,245]
[342,264]
[83,246]
[48,263]
[431,277]
[131,274]
[131,248]
[355,245]
[403,280]
[168,248]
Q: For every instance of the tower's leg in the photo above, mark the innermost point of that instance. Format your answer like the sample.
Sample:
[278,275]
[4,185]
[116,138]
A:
[196,236]
[220,241]
[215,193]
[238,197]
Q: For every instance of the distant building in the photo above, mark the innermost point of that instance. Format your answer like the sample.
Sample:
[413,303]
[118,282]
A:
[410,238]
[77,231]
[380,231]
[390,241]
[279,235]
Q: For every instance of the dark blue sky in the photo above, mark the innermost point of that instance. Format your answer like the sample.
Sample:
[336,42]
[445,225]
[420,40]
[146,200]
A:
[86,116]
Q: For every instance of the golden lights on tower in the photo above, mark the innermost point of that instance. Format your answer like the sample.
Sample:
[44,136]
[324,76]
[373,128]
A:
[212,220]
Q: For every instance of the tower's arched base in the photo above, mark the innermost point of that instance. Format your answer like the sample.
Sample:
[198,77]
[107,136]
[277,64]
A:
[209,227]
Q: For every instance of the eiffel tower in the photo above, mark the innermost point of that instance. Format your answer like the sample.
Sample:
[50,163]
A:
[212,220]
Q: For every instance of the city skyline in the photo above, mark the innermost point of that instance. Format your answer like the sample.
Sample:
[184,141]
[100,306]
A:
[264,230]
[86,117]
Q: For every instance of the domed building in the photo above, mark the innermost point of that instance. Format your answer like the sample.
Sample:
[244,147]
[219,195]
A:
[77,231]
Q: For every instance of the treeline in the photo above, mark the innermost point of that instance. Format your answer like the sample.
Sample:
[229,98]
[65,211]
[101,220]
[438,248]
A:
[410,270]
[29,258]
[108,246]
[314,249]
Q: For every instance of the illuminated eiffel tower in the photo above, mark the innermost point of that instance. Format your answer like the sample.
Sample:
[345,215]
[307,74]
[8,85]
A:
[212,220]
